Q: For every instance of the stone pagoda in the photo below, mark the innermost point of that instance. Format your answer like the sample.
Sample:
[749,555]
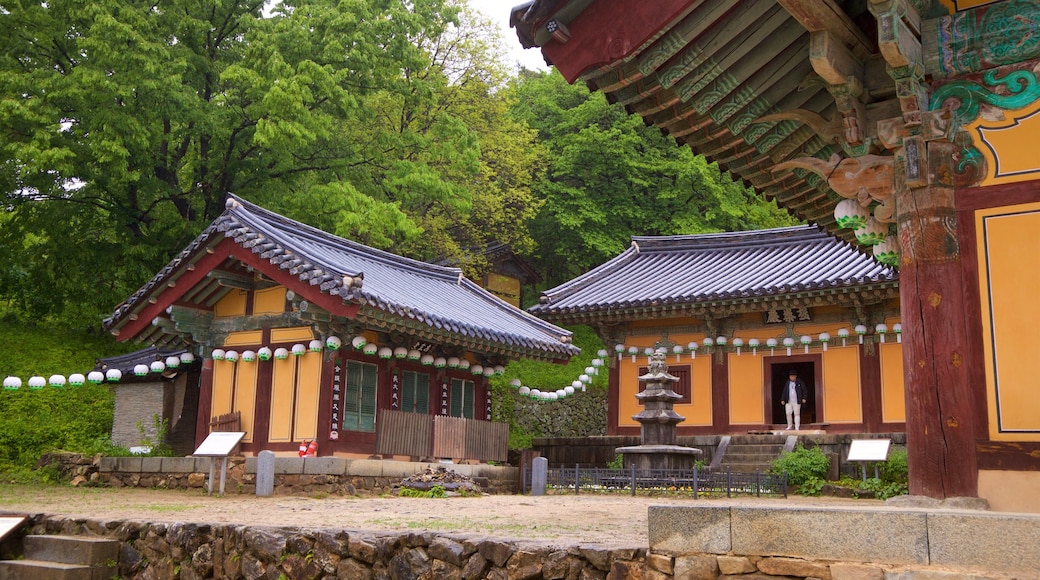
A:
[657,423]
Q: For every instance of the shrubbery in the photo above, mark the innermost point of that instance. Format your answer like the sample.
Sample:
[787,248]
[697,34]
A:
[802,465]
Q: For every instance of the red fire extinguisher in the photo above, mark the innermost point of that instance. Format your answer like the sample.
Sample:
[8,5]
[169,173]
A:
[303,449]
[312,449]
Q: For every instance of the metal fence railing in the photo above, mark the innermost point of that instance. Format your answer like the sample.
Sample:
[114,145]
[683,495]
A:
[694,482]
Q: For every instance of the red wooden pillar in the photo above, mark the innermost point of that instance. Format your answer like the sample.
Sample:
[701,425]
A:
[940,418]
[205,401]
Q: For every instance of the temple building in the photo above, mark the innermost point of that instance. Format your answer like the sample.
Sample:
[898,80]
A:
[736,313]
[907,126]
[306,337]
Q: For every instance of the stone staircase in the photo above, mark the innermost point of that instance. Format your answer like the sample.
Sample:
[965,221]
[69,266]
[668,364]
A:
[63,558]
[750,453]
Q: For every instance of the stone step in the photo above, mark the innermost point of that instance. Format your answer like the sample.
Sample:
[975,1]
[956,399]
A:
[43,570]
[750,467]
[99,555]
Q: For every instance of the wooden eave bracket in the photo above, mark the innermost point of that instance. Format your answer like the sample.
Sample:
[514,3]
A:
[826,15]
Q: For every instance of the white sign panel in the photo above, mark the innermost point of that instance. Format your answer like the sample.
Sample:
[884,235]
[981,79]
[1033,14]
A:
[219,444]
[869,449]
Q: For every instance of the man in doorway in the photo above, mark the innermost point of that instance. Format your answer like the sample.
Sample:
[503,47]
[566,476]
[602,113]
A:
[792,397]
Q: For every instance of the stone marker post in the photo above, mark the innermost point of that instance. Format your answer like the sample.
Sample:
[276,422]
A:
[539,473]
[265,473]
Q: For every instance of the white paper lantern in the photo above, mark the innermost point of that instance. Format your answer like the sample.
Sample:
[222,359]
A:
[386,352]
[887,252]
[524,391]
[12,383]
[37,382]
[825,338]
[560,393]
[463,364]
[371,349]
[708,342]
[299,350]
[489,371]
[264,353]
[231,356]
[158,366]
[453,362]
[77,379]
[141,370]
[477,369]
[898,330]
[414,354]
[753,344]
[569,389]
[771,343]
[872,234]
[515,383]
[248,356]
[315,346]
[333,343]
[173,362]
[850,214]
[281,353]
[95,377]
[114,375]
[881,330]
[187,358]
[359,342]
[500,370]
[217,354]
[602,353]
[440,362]
[426,359]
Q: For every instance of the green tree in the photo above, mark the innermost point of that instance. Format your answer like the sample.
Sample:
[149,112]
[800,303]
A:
[124,124]
[609,177]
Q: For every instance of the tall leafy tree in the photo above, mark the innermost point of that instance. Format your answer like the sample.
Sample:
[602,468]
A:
[609,177]
[123,124]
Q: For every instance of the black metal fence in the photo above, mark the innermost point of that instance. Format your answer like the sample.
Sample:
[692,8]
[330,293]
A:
[694,482]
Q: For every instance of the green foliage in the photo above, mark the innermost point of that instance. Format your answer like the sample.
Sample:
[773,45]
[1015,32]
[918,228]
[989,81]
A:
[894,469]
[434,492]
[156,444]
[609,177]
[811,486]
[579,415]
[884,489]
[617,463]
[49,419]
[802,465]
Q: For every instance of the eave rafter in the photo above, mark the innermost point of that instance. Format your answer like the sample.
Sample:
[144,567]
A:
[853,297]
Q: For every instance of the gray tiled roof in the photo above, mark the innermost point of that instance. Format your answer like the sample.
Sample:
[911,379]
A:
[436,296]
[707,268]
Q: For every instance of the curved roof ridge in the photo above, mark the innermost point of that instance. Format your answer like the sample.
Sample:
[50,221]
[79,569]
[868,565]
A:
[771,236]
[314,234]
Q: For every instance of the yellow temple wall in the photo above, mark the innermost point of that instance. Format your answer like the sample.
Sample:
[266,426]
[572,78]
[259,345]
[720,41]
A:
[1007,240]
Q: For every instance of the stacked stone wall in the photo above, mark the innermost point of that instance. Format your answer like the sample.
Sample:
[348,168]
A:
[200,551]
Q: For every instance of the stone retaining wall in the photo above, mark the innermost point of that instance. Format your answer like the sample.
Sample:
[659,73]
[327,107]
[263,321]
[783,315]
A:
[198,551]
[293,475]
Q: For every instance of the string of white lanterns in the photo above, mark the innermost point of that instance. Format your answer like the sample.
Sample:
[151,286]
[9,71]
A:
[578,385]
[96,377]
[824,339]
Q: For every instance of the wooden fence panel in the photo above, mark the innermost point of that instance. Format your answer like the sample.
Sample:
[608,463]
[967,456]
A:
[487,441]
[227,422]
[449,437]
[401,433]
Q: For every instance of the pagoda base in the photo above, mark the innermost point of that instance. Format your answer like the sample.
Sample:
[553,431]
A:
[659,456]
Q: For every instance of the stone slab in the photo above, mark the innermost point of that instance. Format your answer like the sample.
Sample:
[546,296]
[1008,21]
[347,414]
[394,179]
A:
[127,464]
[151,464]
[365,468]
[684,530]
[288,466]
[179,465]
[1008,543]
[324,465]
[887,537]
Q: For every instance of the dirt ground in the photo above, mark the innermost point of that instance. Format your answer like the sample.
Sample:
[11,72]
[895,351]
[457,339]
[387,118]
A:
[602,520]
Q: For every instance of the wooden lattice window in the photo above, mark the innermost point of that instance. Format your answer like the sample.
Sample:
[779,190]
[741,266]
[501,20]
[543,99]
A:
[683,387]
[460,403]
[415,392]
[359,397]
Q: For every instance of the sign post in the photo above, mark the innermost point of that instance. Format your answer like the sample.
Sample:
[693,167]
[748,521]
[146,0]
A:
[864,450]
[218,445]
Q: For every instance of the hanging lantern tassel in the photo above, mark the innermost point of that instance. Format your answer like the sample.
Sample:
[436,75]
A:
[824,339]
[861,330]
[738,343]
[753,343]
[843,333]
[806,341]
[788,343]
[898,329]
